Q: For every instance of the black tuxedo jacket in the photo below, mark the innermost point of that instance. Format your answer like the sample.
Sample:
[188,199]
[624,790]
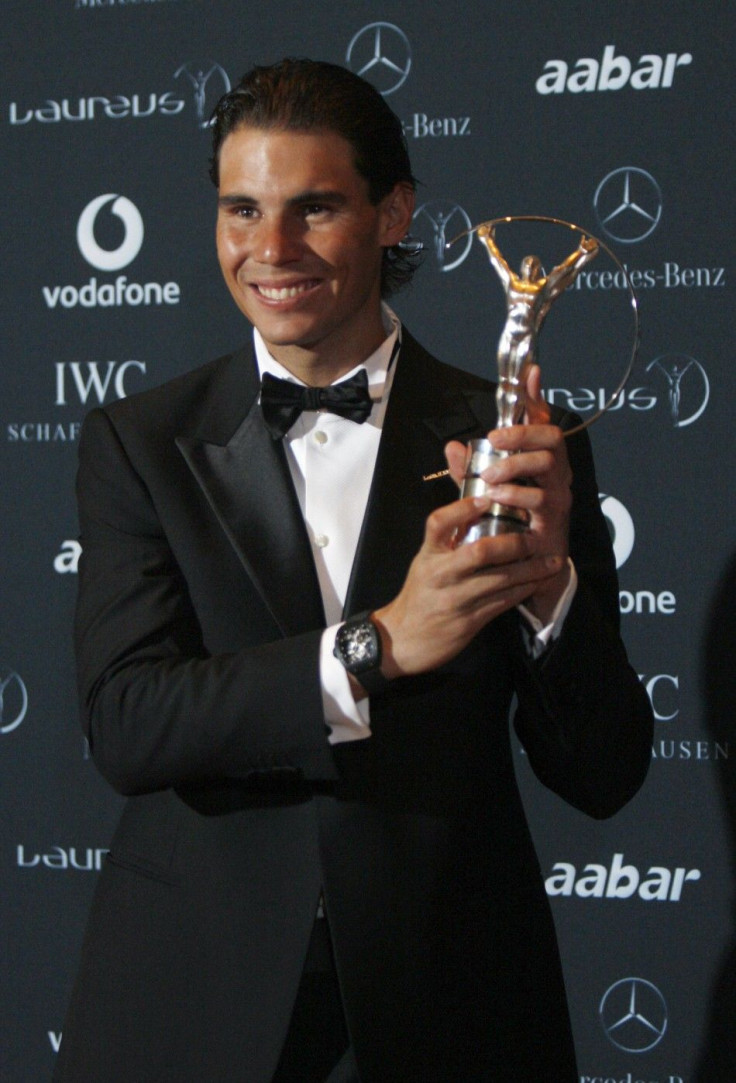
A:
[198,630]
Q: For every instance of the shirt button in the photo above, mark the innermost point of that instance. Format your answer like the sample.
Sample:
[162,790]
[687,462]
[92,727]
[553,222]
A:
[320,437]
[321,540]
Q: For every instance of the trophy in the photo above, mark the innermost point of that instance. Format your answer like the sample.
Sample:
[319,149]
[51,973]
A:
[529,296]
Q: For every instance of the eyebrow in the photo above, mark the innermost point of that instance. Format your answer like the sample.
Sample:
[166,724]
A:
[310,196]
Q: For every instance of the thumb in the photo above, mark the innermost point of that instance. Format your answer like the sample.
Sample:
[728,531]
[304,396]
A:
[537,410]
[456,454]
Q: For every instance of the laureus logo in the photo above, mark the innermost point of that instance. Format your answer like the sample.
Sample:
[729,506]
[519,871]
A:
[114,259]
[209,81]
[688,387]
[436,223]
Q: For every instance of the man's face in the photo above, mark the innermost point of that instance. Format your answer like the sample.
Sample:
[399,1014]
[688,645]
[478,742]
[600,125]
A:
[300,245]
[531,269]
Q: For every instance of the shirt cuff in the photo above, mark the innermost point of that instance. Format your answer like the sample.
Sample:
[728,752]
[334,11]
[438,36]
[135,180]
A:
[347,720]
[539,636]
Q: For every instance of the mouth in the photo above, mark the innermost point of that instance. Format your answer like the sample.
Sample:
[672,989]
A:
[285,293]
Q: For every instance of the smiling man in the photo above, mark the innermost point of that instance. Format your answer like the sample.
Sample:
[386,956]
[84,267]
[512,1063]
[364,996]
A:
[303,683]
[300,245]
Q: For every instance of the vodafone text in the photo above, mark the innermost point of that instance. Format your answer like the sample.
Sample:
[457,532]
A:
[109,294]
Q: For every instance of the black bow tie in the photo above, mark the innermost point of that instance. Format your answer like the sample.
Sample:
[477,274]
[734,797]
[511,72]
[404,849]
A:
[283,401]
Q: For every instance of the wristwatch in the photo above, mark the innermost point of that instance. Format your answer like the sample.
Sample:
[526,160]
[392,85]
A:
[358,647]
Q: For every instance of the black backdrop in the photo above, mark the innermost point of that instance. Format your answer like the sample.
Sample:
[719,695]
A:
[616,116]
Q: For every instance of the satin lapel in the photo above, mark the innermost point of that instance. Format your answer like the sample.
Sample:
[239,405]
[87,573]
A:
[245,477]
[426,409]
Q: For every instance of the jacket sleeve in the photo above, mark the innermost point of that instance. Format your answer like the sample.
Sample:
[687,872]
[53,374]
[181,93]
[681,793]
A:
[583,716]
[158,709]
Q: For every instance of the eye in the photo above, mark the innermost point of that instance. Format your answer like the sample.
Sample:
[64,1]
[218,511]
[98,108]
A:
[315,210]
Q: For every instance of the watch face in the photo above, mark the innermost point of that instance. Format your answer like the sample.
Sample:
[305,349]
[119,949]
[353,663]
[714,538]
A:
[360,646]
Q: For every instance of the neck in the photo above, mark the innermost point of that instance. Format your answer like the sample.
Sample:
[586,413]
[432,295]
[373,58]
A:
[328,361]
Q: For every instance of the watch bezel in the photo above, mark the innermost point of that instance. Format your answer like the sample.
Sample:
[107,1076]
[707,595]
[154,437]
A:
[366,671]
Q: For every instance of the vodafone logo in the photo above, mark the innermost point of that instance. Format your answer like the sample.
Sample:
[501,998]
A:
[623,535]
[621,526]
[13,700]
[111,294]
[110,259]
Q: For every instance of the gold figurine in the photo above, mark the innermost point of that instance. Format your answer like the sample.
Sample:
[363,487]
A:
[529,297]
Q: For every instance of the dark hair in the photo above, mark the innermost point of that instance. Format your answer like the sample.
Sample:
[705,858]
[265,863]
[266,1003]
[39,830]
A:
[313,95]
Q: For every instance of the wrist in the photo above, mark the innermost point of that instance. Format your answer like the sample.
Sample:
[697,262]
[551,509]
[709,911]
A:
[543,603]
[389,667]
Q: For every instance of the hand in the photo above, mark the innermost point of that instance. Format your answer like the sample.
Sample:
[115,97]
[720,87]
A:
[542,458]
[451,592]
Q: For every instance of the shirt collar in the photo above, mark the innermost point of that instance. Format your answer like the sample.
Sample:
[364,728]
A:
[379,365]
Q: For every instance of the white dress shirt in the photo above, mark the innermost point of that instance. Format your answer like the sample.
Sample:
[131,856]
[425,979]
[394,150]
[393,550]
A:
[332,460]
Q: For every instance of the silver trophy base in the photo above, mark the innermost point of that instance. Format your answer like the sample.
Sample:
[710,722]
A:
[500,519]
[491,526]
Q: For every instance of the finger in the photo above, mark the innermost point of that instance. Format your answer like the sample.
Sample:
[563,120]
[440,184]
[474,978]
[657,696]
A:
[456,455]
[490,608]
[447,521]
[506,584]
[529,437]
[534,382]
[537,410]
[538,499]
[485,554]
[541,468]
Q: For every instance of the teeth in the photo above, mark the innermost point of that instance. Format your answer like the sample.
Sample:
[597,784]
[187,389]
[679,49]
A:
[283,294]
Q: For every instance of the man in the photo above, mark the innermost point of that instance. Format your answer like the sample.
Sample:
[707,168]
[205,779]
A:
[278,771]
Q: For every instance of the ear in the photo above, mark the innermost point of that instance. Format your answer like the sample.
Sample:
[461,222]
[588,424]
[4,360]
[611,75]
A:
[397,209]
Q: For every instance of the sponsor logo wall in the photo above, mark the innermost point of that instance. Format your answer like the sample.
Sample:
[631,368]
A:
[614,118]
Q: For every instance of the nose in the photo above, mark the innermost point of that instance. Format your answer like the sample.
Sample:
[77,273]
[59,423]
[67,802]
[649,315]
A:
[277,241]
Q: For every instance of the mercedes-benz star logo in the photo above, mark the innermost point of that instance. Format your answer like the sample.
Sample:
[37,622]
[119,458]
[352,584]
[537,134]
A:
[436,223]
[621,527]
[381,53]
[105,259]
[13,700]
[633,1014]
[628,203]
[674,367]
[199,75]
